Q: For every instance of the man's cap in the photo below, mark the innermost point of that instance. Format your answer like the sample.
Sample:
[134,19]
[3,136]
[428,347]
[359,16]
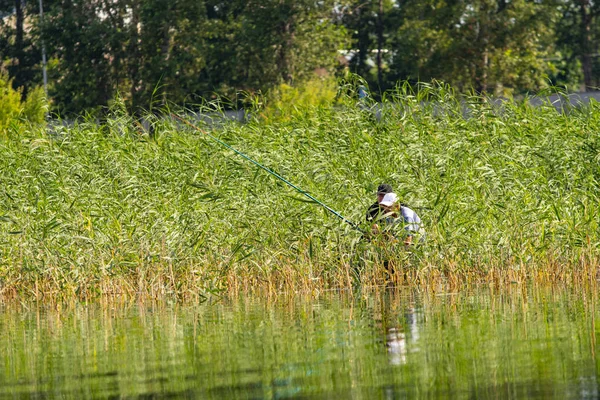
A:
[384,188]
[389,199]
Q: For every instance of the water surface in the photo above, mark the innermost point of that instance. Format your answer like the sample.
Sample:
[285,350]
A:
[520,343]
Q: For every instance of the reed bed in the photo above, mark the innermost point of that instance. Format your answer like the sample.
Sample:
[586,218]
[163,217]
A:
[508,193]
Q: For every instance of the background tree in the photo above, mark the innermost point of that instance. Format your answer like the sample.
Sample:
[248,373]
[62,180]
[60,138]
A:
[21,53]
[578,40]
[487,45]
[149,51]
[371,22]
[79,35]
[154,50]
[165,56]
[284,41]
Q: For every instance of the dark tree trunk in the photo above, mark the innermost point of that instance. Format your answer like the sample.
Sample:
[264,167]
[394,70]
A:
[380,45]
[134,52]
[165,52]
[19,50]
[586,56]
[363,44]
[482,78]
[482,66]
[283,58]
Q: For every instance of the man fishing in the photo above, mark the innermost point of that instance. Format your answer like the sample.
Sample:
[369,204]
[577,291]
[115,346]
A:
[393,219]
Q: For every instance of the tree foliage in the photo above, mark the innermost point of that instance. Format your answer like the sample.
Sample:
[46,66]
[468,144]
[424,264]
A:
[13,108]
[486,45]
[151,51]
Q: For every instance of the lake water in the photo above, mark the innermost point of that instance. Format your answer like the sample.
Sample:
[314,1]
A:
[380,344]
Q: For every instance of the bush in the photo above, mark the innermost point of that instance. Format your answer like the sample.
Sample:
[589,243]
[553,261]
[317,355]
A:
[285,101]
[13,109]
[34,108]
[10,103]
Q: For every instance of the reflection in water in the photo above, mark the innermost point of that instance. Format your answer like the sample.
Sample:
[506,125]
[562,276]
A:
[396,338]
[522,343]
[396,345]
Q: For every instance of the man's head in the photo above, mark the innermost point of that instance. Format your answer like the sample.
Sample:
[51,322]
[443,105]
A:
[389,199]
[382,190]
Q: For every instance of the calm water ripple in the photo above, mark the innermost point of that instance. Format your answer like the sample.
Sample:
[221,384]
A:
[520,343]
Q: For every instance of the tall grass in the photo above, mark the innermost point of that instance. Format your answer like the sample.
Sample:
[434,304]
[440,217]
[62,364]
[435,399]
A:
[508,193]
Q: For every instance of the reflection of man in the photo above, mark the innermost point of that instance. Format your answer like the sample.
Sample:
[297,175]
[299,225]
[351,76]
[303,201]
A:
[396,339]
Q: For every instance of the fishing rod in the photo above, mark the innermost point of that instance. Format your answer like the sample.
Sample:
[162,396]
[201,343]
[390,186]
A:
[275,174]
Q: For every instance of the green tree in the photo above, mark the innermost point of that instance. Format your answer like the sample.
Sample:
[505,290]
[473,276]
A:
[271,42]
[153,50]
[578,40]
[371,23]
[79,35]
[21,53]
[492,46]
[165,50]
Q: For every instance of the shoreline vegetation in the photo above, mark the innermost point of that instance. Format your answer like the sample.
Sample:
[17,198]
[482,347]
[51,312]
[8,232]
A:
[507,193]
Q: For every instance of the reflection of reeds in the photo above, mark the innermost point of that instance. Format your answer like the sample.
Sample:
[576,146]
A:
[316,342]
[508,194]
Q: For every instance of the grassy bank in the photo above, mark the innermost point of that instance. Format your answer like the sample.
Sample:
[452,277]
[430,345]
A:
[507,194]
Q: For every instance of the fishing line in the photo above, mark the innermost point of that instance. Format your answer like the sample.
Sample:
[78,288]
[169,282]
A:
[275,174]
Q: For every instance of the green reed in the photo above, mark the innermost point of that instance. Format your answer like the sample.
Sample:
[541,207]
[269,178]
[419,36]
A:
[507,191]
